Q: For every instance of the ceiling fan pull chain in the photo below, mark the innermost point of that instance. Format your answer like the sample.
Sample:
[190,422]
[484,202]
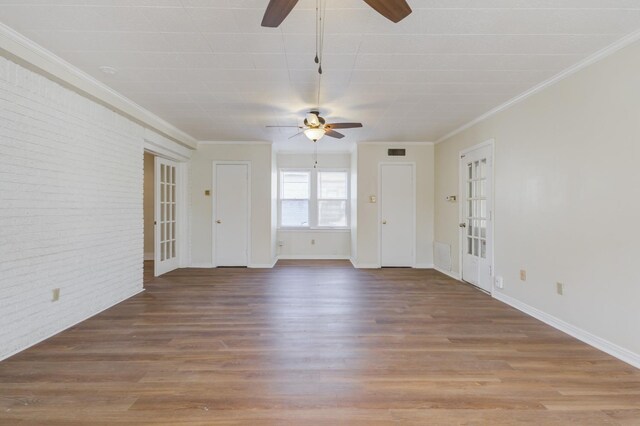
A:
[317,60]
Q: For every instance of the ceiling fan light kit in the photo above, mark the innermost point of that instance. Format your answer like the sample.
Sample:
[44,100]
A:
[314,133]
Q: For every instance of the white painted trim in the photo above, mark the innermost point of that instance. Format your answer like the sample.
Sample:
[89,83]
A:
[216,163]
[591,339]
[590,60]
[423,266]
[262,265]
[315,230]
[366,266]
[48,336]
[165,147]
[202,265]
[454,275]
[19,46]
[313,257]
[200,143]
[414,209]
[149,255]
[395,143]
[320,152]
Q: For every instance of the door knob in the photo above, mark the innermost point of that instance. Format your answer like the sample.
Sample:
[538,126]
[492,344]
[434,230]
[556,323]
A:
[384,222]
[218,221]
[462,225]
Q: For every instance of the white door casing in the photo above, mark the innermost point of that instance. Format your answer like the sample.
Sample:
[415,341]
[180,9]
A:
[476,216]
[165,216]
[397,214]
[231,214]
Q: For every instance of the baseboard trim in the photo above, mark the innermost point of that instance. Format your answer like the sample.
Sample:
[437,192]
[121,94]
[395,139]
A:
[612,349]
[366,265]
[261,265]
[451,274]
[9,355]
[423,266]
[313,257]
[201,265]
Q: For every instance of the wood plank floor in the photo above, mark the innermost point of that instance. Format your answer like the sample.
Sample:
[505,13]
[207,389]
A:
[318,343]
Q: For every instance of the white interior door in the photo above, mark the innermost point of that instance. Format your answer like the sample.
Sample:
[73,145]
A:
[477,218]
[231,215]
[165,220]
[397,214]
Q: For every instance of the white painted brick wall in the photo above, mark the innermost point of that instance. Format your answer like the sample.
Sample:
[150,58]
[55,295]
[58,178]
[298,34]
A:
[71,174]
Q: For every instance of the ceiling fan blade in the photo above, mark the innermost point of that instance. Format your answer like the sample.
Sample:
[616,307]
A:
[299,133]
[393,10]
[334,134]
[343,125]
[276,11]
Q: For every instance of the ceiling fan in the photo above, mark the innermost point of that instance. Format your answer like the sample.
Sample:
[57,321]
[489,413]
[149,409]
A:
[277,10]
[315,127]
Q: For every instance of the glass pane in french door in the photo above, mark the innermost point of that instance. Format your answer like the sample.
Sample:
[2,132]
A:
[167,212]
[476,204]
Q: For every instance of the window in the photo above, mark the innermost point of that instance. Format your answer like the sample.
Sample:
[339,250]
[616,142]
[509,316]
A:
[332,199]
[314,198]
[294,198]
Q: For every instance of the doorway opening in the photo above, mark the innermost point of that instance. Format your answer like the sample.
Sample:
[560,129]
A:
[148,214]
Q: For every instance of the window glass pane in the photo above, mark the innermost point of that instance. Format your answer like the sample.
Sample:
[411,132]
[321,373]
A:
[332,213]
[295,213]
[332,185]
[295,185]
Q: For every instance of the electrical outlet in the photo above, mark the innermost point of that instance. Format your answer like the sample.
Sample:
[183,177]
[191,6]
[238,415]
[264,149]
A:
[56,295]
[313,242]
[523,275]
[499,282]
[560,288]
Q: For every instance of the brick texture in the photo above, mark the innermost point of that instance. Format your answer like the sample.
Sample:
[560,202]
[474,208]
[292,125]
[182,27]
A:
[71,174]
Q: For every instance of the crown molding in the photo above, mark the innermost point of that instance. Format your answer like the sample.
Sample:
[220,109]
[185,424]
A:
[320,153]
[200,143]
[15,46]
[394,143]
[590,60]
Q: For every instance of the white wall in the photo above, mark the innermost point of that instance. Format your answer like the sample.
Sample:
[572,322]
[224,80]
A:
[70,208]
[202,206]
[369,157]
[353,240]
[314,244]
[149,197]
[566,198]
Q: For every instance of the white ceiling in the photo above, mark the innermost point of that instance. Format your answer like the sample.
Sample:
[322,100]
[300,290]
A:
[209,68]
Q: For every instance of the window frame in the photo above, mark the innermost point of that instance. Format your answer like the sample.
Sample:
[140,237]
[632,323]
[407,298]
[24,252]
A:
[280,199]
[313,198]
[347,200]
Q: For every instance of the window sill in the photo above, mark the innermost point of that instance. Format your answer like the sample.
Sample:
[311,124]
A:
[315,229]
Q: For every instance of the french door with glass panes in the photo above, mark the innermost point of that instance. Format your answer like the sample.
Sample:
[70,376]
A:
[166,256]
[476,225]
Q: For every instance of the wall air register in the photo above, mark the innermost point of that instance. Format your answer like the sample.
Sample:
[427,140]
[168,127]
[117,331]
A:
[396,152]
